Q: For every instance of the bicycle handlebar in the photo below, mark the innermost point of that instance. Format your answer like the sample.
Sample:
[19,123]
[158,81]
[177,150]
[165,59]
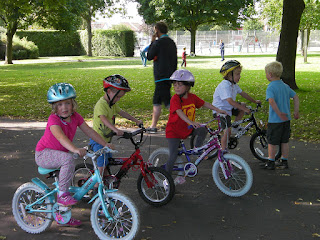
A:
[99,152]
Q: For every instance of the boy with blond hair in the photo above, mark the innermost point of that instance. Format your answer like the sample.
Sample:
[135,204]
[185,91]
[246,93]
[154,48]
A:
[278,95]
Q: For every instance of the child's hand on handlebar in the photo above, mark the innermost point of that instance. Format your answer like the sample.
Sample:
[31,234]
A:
[119,132]
[81,151]
[110,145]
[222,112]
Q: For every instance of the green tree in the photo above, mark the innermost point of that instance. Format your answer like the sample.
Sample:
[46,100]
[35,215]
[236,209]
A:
[252,24]
[105,7]
[190,14]
[59,14]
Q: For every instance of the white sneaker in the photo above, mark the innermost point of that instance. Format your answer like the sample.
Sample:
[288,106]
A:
[179,180]
[234,131]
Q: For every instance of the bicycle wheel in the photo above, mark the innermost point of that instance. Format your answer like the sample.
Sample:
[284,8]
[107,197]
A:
[31,222]
[159,158]
[259,146]
[240,181]
[81,174]
[163,190]
[125,223]
[213,153]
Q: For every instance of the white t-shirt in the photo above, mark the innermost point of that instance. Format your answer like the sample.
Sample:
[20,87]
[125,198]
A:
[224,91]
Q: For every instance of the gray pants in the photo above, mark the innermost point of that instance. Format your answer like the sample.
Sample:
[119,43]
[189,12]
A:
[174,144]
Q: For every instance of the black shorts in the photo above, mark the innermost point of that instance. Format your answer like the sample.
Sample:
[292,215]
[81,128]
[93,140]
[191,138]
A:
[278,133]
[162,93]
[226,121]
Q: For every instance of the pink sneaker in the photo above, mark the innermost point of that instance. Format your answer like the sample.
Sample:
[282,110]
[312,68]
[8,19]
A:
[179,180]
[72,223]
[66,199]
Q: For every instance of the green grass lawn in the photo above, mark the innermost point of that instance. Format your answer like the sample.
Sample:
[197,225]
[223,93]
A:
[23,87]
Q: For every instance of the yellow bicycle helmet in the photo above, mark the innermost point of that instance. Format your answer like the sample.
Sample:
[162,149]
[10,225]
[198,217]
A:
[229,66]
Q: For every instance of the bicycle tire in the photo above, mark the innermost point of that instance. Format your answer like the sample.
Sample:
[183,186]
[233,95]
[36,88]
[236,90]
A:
[241,176]
[81,173]
[126,219]
[259,146]
[212,154]
[160,156]
[31,223]
[163,190]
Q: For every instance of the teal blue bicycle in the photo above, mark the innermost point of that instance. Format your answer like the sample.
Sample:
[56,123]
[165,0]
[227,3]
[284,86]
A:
[113,215]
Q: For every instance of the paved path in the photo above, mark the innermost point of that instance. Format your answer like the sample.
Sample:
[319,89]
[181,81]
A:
[282,204]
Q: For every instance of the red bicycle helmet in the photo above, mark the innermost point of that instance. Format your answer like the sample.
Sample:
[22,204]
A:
[116,81]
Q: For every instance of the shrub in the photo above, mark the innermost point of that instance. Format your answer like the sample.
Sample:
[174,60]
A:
[55,43]
[21,48]
[110,42]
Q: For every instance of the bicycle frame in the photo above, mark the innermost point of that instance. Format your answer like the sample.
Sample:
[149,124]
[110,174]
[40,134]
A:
[79,192]
[252,122]
[212,144]
[135,159]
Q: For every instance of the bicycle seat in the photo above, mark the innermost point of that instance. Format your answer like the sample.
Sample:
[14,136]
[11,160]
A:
[44,171]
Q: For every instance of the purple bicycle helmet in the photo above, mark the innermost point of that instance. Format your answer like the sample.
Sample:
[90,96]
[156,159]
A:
[183,75]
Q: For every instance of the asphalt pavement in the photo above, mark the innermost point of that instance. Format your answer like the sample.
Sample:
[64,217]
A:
[282,204]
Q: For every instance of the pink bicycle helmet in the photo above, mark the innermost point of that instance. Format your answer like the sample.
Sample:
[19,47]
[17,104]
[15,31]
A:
[183,75]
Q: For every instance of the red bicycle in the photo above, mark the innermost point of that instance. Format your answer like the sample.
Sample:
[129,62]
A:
[155,185]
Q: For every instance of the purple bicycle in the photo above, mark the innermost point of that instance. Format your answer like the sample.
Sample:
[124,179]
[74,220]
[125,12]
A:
[231,174]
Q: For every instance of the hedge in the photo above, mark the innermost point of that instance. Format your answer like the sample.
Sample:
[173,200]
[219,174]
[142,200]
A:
[110,42]
[60,43]
[21,48]
[54,43]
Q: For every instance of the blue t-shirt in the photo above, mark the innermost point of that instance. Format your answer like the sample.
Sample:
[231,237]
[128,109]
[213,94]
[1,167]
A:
[281,93]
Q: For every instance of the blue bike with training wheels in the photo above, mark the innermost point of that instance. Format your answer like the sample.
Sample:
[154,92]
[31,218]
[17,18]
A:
[113,215]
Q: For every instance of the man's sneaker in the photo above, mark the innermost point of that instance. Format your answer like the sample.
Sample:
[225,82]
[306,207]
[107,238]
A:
[283,164]
[72,223]
[66,199]
[270,165]
[179,180]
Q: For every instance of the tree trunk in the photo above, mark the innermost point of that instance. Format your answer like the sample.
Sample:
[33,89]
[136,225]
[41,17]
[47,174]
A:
[292,10]
[89,31]
[11,30]
[193,40]
[302,42]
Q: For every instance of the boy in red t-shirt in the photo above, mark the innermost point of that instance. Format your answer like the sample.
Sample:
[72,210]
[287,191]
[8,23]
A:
[182,114]
[184,58]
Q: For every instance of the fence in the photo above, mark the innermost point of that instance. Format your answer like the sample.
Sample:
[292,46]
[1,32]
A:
[236,42]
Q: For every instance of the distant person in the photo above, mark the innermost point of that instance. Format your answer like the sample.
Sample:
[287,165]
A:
[143,56]
[221,46]
[184,58]
[163,52]
[278,95]
[54,149]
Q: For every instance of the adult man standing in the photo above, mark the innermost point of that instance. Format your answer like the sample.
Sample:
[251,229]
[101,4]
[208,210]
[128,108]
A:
[221,45]
[163,52]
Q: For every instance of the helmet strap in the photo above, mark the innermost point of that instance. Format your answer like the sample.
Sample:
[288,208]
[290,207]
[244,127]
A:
[111,103]
[64,118]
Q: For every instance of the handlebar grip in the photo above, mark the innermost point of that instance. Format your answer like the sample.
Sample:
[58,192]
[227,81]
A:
[127,135]
[109,150]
